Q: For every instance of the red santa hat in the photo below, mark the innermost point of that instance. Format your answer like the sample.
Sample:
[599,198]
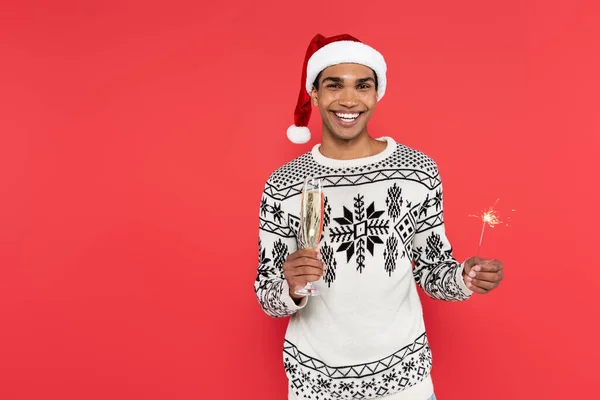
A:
[324,52]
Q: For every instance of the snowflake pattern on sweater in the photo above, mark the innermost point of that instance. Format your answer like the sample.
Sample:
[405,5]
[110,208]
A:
[381,215]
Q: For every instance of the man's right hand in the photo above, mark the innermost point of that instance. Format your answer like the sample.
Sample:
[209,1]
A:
[301,267]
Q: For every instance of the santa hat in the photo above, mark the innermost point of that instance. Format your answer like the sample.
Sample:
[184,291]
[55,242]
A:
[324,52]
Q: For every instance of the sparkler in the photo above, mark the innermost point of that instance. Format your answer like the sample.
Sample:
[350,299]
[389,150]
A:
[489,217]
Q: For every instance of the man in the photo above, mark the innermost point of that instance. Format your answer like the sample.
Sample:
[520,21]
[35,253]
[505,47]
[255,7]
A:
[363,337]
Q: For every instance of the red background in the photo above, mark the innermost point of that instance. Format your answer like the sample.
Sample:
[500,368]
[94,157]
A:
[135,138]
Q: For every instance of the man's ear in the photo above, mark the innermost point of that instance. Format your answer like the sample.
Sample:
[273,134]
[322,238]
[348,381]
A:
[314,96]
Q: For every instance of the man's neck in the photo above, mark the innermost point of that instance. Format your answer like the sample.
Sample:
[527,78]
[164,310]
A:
[362,146]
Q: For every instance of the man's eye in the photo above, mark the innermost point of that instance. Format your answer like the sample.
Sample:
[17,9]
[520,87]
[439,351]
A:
[364,86]
[333,86]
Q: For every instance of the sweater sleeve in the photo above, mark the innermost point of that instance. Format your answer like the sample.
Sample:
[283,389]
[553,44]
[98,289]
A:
[276,240]
[436,270]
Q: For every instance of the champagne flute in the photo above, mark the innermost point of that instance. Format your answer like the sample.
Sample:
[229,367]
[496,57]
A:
[311,223]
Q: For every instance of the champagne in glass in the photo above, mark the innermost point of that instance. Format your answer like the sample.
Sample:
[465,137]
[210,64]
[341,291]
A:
[311,222]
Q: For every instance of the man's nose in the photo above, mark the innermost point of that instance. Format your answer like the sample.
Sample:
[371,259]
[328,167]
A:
[348,98]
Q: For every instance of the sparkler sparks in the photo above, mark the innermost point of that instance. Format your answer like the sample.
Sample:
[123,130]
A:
[489,217]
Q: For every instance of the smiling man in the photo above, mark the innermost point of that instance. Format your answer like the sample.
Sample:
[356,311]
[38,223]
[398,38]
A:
[363,337]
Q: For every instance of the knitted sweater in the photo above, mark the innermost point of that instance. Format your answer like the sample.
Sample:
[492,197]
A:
[364,336]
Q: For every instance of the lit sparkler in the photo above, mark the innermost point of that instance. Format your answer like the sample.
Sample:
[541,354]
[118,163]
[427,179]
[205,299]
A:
[489,217]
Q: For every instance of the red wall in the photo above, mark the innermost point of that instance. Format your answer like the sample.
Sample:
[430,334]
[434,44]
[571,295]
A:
[135,138]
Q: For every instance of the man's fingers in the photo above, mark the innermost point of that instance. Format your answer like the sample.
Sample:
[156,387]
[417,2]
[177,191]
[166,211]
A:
[484,275]
[484,284]
[311,253]
[309,278]
[303,266]
[475,263]
[491,266]
[300,262]
[487,276]
[476,289]
[305,270]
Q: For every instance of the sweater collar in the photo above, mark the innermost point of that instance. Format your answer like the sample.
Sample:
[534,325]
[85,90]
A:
[356,162]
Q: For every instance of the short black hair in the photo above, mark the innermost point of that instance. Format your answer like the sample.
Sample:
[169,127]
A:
[316,82]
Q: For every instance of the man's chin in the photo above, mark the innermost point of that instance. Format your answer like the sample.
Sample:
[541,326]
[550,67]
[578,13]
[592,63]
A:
[346,135]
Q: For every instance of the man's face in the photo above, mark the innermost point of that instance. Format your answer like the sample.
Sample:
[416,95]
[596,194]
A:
[346,99]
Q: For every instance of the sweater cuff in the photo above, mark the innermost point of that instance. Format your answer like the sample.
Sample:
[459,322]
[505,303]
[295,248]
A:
[460,280]
[288,301]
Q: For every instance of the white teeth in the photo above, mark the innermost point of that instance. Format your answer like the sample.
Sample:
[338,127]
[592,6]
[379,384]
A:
[348,116]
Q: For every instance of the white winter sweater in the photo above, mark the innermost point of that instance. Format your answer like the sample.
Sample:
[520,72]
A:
[364,336]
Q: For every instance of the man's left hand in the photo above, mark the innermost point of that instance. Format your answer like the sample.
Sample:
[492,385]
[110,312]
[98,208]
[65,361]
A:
[482,275]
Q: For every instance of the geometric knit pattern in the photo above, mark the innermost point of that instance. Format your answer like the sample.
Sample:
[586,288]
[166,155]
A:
[404,164]
[361,179]
[313,379]
[391,254]
[405,228]
[394,201]
[331,263]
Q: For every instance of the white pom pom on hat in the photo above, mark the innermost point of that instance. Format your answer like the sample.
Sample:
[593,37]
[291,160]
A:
[298,134]
[324,52]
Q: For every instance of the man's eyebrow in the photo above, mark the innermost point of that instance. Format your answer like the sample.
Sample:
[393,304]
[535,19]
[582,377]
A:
[363,80]
[340,80]
[333,79]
